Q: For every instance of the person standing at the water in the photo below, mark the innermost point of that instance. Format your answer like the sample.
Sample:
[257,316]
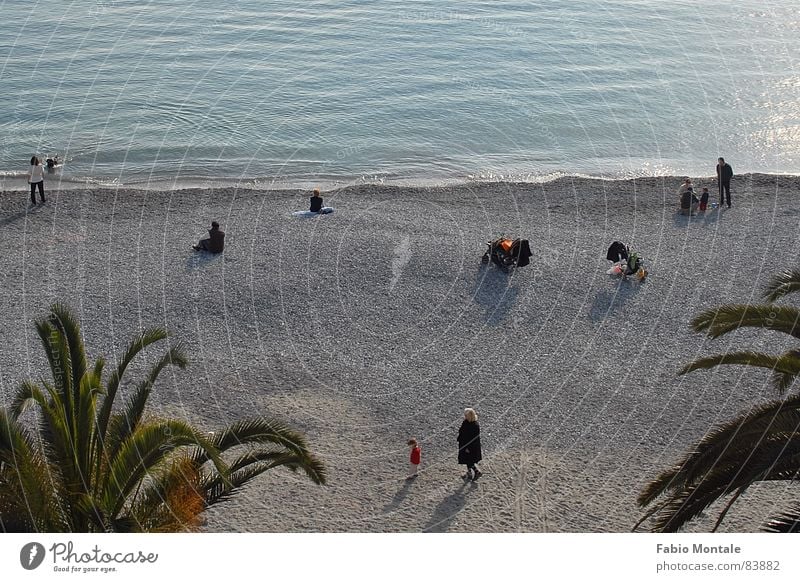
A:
[724,175]
[36,180]
[469,445]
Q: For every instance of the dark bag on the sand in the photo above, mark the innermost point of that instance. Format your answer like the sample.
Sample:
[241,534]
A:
[521,251]
[617,252]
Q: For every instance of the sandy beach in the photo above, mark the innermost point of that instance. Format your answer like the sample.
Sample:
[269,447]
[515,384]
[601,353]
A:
[377,323]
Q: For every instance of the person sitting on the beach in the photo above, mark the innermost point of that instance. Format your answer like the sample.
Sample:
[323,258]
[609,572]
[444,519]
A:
[215,242]
[688,199]
[51,162]
[316,201]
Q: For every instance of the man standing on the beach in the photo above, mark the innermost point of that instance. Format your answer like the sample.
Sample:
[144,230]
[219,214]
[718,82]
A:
[724,175]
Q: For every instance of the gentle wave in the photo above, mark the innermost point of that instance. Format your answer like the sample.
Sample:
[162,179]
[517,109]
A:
[10,182]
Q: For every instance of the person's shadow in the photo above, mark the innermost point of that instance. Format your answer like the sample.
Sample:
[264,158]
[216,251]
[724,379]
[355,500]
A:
[12,218]
[199,259]
[607,302]
[712,216]
[684,220]
[399,497]
[447,510]
[494,290]
[699,217]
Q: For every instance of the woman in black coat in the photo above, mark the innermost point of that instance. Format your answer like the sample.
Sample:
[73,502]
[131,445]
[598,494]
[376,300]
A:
[469,444]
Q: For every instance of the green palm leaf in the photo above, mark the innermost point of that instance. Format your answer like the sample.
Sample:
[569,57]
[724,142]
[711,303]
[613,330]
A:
[95,467]
[785,368]
[61,319]
[736,438]
[760,445]
[785,522]
[728,318]
[28,395]
[140,342]
[126,422]
[763,445]
[782,284]
[144,450]
[254,463]
[257,431]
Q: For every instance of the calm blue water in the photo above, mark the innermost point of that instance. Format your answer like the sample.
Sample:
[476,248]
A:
[168,92]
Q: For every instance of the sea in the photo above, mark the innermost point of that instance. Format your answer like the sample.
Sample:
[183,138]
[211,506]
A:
[178,93]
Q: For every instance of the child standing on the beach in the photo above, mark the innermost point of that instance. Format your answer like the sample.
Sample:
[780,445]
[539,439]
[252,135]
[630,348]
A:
[704,200]
[415,459]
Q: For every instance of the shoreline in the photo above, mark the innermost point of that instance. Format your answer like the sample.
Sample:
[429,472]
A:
[12,183]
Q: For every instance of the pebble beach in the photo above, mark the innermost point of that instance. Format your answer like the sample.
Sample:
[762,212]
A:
[378,323]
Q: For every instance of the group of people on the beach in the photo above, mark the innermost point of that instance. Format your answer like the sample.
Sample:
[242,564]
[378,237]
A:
[689,202]
[469,441]
[215,243]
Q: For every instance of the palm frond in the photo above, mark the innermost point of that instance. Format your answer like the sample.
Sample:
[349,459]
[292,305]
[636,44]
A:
[256,431]
[172,500]
[27,395]
[785,367]
[717,322]
[144,450]
[140,342]
[782,284]
[773,454]
[61,318]
[94,469]
[253,463]
[15,441]
[733,439]
[771,460]
[88,390]
[57,353]
[126,422]
[785,522]
[784,379]
[23,500]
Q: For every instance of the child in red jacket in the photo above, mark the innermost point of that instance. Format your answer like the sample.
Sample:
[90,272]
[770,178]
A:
[415,459]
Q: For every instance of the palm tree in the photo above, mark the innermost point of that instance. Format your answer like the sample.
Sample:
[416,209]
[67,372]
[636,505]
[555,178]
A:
[762,444]
[85,464]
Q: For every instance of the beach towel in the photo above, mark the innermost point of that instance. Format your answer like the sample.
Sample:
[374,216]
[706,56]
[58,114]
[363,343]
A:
[308,213]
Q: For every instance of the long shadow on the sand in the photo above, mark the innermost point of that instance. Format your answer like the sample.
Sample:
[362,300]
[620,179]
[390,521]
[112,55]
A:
[608,302]
[710,216]
[399,497]
[12,218]
[495,291]
[199,259]
[448,509]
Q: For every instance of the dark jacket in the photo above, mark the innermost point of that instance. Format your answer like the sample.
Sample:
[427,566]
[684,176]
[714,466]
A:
[469,443]
[316,203]
[724,173]
[617,252]
[216,240]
